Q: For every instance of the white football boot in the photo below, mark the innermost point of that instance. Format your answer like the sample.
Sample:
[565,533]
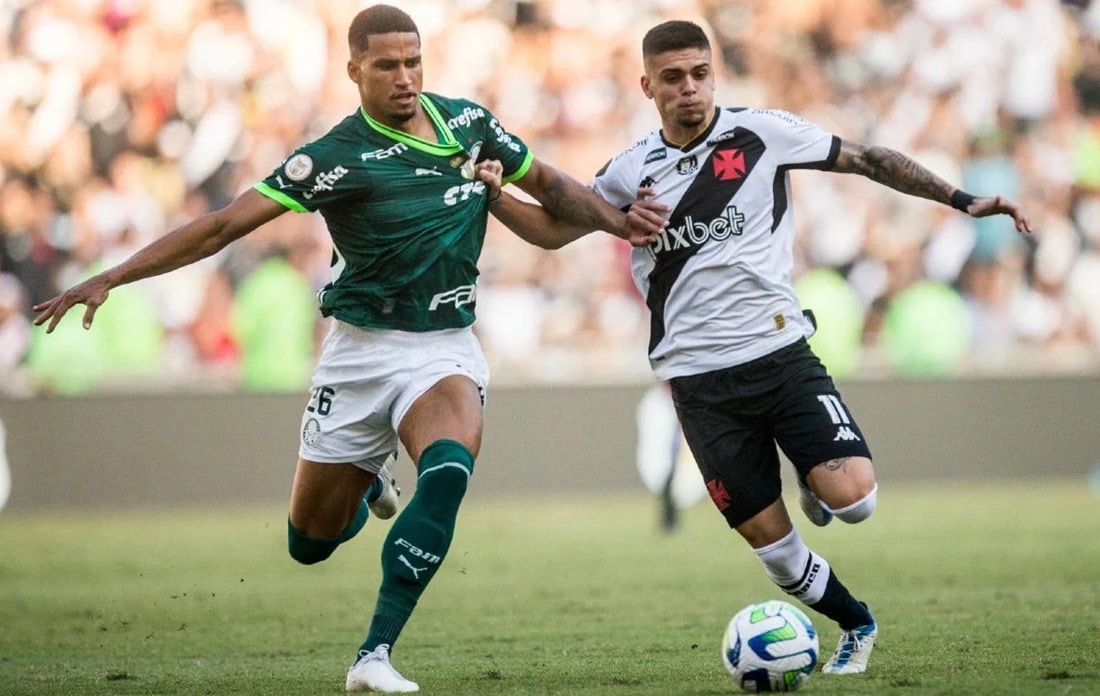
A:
[853,651]
[373,672]
[385,505]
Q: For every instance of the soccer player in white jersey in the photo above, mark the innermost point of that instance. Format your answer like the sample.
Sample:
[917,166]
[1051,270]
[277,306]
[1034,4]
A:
[727,331]
[397,182]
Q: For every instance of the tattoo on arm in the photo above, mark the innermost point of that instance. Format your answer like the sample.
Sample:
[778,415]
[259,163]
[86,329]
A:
[553,196]
[572,202]
[893,169]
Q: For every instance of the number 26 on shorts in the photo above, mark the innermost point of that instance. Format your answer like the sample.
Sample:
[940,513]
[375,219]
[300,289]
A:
[320,400]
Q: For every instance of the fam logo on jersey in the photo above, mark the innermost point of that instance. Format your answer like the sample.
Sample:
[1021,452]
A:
[298,167]
[656,155]
[687,165]
[646,182]
[693,233]
[384,153]
[729,164]
[462,295]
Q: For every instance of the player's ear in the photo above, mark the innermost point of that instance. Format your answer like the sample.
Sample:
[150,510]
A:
[354,72]
[645,87]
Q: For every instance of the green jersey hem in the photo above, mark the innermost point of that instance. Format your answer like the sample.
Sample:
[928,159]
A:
[523,168]
[377,324]
[280,197]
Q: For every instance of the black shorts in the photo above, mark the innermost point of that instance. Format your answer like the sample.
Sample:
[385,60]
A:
[733,419]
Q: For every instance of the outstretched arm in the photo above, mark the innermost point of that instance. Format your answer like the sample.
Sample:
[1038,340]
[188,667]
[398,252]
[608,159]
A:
[202,237]
[901,173]
[567,209]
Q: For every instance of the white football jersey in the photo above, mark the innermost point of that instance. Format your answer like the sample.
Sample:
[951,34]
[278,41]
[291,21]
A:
[718,280]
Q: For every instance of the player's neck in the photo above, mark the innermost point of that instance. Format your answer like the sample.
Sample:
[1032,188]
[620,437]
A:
[419,126]
[678,136]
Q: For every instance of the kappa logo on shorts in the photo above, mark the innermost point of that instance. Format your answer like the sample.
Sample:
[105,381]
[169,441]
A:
[845,433]
[311,432]
[839,416]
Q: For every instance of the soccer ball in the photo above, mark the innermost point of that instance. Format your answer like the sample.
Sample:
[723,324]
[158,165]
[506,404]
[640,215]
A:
[770,646]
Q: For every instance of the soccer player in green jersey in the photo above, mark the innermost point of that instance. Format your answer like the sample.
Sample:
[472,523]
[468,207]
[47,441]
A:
[400,183]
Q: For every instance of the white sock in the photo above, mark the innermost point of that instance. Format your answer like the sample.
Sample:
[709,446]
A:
[797,570]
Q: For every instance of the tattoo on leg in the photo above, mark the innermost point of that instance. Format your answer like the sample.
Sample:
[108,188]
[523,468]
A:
[836,464]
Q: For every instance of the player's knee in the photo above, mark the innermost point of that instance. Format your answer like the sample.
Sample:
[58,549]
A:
[308,550]
[860,509]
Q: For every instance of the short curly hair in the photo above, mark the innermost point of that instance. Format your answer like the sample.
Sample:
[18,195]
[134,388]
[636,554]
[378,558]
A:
[378,19]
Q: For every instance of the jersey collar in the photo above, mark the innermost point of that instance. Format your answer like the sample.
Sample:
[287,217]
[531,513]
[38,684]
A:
[449,146]
[697,139]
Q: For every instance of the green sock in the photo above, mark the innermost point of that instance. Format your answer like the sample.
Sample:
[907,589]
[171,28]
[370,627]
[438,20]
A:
[357,523]
[419,538]
[374,491]
[308,550]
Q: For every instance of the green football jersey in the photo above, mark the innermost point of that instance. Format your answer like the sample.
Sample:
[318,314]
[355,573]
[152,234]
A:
[406,216]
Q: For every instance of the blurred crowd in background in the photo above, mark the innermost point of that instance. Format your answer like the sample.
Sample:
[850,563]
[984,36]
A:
[120,119]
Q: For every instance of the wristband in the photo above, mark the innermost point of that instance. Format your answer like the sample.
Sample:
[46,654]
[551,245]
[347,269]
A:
[496,198]
[961,200]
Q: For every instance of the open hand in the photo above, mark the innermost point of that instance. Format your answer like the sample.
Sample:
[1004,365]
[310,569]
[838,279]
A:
[996,205]
[91,293]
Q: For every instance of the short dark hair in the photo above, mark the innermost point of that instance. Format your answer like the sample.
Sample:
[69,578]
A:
[378,19]
[674,35]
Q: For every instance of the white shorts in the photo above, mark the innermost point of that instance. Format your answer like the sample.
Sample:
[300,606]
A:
[366,381]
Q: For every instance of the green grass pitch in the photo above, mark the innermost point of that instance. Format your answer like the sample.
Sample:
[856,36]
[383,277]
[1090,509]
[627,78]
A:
[978,589]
